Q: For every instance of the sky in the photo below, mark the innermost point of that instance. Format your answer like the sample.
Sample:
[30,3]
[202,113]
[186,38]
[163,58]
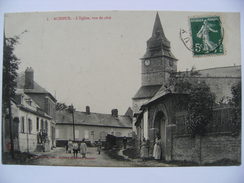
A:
[96,62]
[59,174]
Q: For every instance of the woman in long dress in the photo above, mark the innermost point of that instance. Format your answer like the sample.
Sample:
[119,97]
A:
[144,150]
[157,149]
[83,148]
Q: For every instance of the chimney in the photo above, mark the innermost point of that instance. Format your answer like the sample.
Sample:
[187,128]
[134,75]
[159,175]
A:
[88,110]
[114,113]
[29,78]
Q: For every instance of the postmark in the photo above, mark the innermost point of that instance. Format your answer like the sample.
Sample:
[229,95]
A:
[206,35]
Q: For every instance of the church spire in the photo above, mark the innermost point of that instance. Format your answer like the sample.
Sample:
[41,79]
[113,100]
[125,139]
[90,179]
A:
[157,28]
[158,45]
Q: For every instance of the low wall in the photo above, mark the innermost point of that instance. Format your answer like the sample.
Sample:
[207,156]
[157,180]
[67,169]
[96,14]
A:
[208,149]
[27,142]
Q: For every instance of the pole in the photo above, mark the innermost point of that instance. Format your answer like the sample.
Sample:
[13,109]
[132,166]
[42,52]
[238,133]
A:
[71,110]
[73,124]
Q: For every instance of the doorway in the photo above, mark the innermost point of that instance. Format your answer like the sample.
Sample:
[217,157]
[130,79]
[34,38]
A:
[159,129]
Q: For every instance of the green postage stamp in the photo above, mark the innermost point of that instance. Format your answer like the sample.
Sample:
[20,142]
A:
[207,35]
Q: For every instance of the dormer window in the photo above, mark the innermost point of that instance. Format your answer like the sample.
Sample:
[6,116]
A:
[28,101]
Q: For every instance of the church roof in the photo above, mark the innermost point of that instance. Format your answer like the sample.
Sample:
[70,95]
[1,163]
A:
[146,91]
[158,45]
[93,119]
[225,72]
[158,29]
[230,71]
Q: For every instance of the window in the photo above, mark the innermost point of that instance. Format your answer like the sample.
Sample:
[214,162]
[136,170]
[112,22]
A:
[42,124]
[86,134]
[29,125]
[37,124]
[46,126]
[92,133]
[28,101]
[77,134]
[22,125]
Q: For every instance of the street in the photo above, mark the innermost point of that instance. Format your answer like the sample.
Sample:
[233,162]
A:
[58,157]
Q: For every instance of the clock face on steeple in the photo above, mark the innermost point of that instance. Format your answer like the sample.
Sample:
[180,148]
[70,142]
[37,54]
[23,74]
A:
[147,62]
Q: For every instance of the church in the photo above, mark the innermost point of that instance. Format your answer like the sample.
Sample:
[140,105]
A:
[156,110]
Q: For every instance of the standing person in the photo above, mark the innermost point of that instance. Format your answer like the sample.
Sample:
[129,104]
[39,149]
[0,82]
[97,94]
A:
[70,146]
[125,142]
[99,146]
[66,147]
[83,148]
[144,150]
[75,148]
[157,149]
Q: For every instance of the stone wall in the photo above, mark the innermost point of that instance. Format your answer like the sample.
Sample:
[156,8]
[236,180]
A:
[208,149]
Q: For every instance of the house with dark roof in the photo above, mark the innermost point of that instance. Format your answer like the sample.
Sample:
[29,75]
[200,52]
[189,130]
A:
[91,126]
[33,115]
[157,110]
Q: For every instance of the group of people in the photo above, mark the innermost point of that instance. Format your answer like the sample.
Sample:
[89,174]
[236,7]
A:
[76,147]
[157,149]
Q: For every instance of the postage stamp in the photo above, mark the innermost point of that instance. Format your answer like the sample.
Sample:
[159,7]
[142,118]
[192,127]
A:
[207,35]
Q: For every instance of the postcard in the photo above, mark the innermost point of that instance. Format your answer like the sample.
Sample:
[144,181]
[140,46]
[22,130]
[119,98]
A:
[122,89]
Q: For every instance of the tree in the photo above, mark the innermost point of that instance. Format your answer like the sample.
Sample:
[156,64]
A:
[199,100]
[236,105]
[61,106]
[10,67]
[200,108]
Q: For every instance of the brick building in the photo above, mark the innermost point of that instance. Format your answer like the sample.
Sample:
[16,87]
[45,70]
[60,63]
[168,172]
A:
[157,110]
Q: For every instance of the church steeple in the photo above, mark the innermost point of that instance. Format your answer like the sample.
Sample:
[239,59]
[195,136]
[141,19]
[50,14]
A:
[158,61]
[158,44]
[158,29]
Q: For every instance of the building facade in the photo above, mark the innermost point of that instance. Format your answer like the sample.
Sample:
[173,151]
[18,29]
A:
[33,114]
[91,126]
[157,109]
